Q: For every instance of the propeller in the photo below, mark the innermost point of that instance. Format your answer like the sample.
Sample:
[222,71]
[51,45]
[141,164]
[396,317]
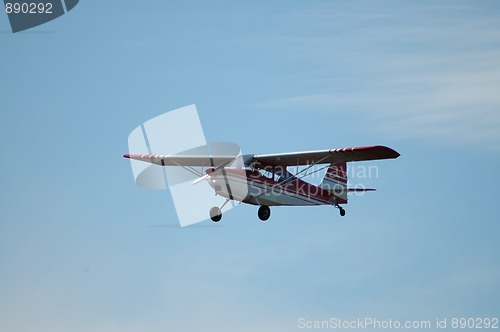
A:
[198,180]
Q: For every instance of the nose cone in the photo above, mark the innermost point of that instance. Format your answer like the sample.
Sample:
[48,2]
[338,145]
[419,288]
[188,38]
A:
[210,170]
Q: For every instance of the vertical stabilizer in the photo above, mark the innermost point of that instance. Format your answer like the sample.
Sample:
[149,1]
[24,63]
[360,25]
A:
[335,180]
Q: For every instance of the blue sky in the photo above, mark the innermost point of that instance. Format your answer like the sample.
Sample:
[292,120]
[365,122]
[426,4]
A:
[83,249]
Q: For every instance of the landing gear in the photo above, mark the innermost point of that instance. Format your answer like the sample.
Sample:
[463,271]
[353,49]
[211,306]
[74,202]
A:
[264,212]
[215,214]
[341,210]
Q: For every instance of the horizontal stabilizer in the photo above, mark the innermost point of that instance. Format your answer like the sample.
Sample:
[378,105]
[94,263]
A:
[342,192]
[359,190]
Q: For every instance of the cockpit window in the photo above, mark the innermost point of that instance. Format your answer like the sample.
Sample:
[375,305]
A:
[282,175]
[277,174]
[267,172]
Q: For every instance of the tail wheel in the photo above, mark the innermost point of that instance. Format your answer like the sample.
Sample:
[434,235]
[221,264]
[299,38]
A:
[264,212]
[215,214]
[342,212]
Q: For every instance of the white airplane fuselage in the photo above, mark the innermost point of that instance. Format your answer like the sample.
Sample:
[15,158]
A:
[252,187]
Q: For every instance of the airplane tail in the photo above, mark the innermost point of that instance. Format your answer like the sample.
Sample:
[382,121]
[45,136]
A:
[335,180]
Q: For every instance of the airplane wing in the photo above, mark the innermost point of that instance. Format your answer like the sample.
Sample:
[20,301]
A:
[180,160]
[331,156]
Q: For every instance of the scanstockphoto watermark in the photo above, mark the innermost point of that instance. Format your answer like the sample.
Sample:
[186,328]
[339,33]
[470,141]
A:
[304,189]
[354,171]
[360,323]
[283,179]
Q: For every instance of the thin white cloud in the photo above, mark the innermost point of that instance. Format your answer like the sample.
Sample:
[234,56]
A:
[438,79]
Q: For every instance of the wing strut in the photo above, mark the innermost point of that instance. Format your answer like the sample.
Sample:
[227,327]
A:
[280,184]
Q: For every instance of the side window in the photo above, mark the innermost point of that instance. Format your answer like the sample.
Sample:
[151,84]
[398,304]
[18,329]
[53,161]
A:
[267,172]
[277,177]
[282,175]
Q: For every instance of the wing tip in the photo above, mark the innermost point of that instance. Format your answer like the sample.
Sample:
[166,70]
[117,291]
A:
[390,153]
[382,151]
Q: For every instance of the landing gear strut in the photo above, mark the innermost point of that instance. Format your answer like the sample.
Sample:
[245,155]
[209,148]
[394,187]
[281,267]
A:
[264,212]
[341,210]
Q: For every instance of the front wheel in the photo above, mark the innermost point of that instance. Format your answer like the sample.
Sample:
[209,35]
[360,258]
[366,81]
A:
[215,214]
[264,212]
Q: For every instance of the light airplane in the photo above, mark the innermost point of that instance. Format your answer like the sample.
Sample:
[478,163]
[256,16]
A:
[264,180]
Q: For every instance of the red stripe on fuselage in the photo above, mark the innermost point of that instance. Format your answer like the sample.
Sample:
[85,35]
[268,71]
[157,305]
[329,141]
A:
[306,191]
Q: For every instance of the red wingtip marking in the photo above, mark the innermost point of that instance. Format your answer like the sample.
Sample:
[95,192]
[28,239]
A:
[126,156]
